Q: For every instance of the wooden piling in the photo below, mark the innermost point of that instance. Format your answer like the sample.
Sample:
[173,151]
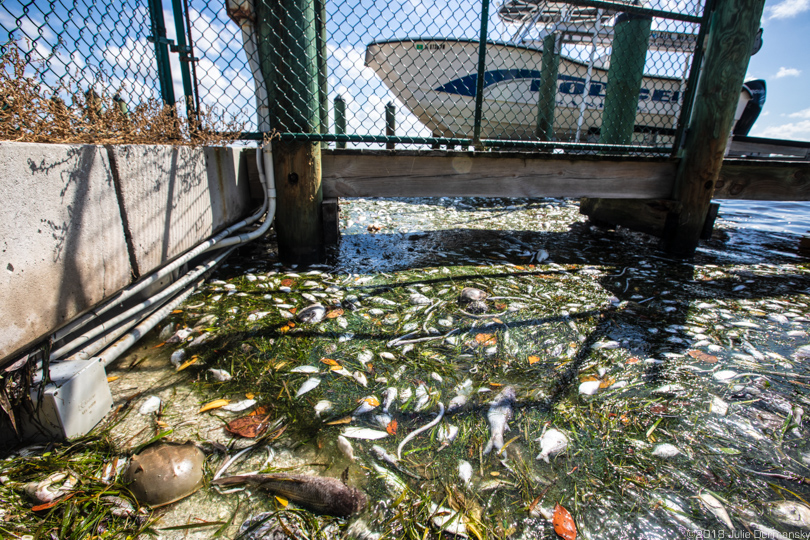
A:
[340,120]
[390,124]
[547,92]
[732,31]
[289,52]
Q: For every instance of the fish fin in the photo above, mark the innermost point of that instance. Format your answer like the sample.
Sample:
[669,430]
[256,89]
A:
[230,480]
[344,476]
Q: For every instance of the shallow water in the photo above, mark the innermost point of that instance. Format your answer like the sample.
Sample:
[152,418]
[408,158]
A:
[567,304]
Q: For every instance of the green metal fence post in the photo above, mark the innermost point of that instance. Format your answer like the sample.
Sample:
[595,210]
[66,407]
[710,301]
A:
[731,36]
[390,123]
[288,57]
[161,51]
[547,93]
[631,36]
[323,83]
[479,82]
[340,120]
[185,57]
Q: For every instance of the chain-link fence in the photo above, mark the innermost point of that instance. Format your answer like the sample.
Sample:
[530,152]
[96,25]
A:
[574,75]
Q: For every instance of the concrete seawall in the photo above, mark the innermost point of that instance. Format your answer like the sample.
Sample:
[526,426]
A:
[80,222]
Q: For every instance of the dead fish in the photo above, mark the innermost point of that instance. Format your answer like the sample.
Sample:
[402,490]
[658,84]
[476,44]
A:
[51,488]
[716,508]
[220,375]
[308,385]
[457,403]
[383,420]
[364,433]
[383,455]
[367,404]
[499,414]
[418,299]
[422,398]
[666,450]
[471,294]
[360,378]
[311,314]
[150,404]
[791,513]
[346,447]
[389,397]
[165,472]
[465,472]
[178,357]
[239,405]
[322,406]
[304,369]
[552,443]
[447,433]
[180,335]
[319,494]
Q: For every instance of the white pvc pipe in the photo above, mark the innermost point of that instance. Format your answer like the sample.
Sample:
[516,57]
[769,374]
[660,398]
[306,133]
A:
[218,241]
[152,301]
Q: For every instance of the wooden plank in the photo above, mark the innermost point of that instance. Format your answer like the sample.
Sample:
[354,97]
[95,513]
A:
[759,147]
[471,174]
[763,180]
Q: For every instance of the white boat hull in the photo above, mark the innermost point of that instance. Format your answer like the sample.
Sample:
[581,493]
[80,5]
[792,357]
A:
[435,79]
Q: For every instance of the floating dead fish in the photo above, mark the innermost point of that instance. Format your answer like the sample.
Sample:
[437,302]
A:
[308,385]
[716,508]
[665,450]
[346,447]
[791,513]
[422,398]
[418,299]
[312,314]
[499,415]
[465,472]
[364,433]
[239,405]
[405,394]
[668,389]
[151,404]
[323,495]
[457,403]
[471,294]
[51,488]
[304,369]
[220,374]
[448,520]
[165,472]
[383,420]
[203,339]
[360,378]
[552,443]
[718,406]
[322,406]
[589,388]
[383,455]
[367,404]
[178,357]
[387,356]
[389,397]
[447,433]
[180,336]
[802,353]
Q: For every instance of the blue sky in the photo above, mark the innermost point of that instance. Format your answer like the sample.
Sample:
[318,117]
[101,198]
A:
[784,63]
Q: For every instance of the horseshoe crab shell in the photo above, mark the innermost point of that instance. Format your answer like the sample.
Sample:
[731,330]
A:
[165,472]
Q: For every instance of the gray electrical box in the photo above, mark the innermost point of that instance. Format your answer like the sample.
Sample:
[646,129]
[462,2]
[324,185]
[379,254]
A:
[75,400]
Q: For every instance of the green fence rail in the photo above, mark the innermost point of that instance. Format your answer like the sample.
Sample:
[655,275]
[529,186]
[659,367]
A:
[579,76]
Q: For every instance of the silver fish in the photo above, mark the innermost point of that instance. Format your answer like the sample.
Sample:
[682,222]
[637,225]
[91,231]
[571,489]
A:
[552,443]
[308,385]
[499,414]
[389,397]
[465,471]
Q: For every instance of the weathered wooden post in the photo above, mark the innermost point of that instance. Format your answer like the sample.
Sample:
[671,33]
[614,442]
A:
[288,56]
[390,123]
[323,83]
[547,92]
[732,31]
[340,120]
[631,36]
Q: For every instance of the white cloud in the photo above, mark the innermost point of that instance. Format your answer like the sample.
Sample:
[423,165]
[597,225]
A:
[801,114]
[788,8]
[787,72]
[797,131]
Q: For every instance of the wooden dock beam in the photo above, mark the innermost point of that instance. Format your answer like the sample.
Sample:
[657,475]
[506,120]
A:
[732,31]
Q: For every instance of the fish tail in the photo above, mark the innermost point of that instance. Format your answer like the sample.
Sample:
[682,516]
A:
[231,480]
[489,446]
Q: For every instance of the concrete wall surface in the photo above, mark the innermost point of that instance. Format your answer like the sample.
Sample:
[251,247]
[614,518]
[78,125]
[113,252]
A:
[62,246]
[78,222]
[174,197]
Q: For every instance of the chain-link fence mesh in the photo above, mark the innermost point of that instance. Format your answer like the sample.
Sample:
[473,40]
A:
[554,73]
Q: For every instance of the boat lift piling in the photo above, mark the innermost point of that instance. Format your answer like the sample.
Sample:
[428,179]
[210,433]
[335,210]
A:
[390,123]
[547,92]
[290,45]
[340,120]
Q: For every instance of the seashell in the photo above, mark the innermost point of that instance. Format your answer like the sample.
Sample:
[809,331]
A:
[165,472]
[665,450]
[552,443]
[312,314]
[151,404]
[308,385]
